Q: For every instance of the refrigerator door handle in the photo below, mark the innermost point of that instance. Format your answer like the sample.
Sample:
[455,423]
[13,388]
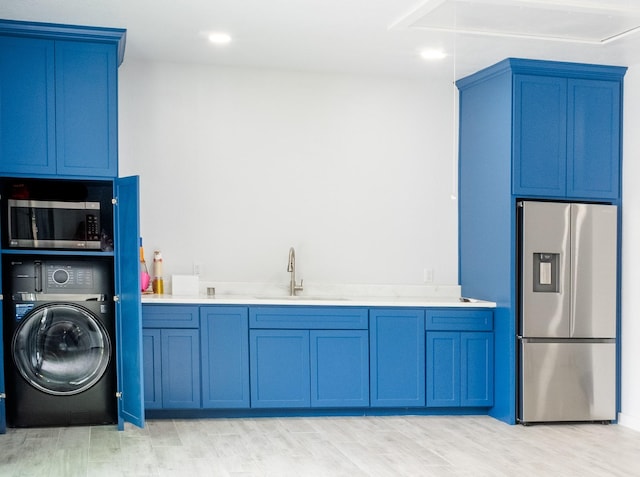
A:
[567,340]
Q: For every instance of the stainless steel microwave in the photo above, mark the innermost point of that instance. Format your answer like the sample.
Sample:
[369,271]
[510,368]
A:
[53,224]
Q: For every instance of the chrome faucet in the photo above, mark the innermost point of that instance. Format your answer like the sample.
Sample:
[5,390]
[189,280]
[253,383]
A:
[291,268]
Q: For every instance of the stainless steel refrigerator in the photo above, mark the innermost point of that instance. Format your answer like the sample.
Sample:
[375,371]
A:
[567,312]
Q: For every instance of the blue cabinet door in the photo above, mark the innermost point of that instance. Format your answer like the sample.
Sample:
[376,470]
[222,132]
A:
[27,106]
[593,162]
[566,137]
[280,375]
[459,369]
[397,359]
[128,308]
[152,368]
[443,369]
[339,368]
[86,108]
[539,135]
[180,350]
[224,338]
[476,369]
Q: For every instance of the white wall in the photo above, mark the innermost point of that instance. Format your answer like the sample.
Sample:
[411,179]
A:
[237,165]
[630,415]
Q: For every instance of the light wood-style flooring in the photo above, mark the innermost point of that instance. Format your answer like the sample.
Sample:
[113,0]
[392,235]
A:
[323,446]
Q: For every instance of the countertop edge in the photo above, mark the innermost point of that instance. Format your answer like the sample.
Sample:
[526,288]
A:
[415,302]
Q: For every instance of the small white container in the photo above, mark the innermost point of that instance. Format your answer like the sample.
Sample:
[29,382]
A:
[185,285]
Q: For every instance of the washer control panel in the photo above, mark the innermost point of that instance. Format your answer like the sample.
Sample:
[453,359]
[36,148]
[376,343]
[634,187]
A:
[31,278]
[69,277]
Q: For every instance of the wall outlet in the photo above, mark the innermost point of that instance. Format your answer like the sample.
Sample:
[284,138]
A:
[428,275]
[197,268]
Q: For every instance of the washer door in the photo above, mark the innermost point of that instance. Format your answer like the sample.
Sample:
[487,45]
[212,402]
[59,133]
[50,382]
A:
[61,349]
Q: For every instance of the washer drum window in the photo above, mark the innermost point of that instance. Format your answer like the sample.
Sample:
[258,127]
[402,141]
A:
[61,349]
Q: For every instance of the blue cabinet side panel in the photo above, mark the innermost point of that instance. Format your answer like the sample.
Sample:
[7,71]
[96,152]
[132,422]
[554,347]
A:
[397,359]
[539,136]
[180,369]
[443,369]
[152,369]
[505,366]
[279,364]
[593,161]
[487,220]
[86,108]
[224,335]
[27,106]
[476,369]
[339,368]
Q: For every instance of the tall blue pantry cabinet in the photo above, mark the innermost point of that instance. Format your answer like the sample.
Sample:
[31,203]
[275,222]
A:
[59,128]
[528,129]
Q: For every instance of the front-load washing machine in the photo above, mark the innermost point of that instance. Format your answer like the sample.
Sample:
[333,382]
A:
[60,343]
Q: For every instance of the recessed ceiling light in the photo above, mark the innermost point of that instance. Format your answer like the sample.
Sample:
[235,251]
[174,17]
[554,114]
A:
[219,38]
[433,54]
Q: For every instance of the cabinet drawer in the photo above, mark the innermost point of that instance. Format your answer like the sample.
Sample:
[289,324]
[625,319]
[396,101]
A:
[308,318]
[465,320]
[170,316]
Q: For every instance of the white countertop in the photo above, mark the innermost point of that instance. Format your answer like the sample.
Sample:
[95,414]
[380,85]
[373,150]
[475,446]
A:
[367,301]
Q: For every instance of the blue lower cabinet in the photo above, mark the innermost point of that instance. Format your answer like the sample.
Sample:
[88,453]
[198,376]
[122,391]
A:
[397,360]
[152,369]
[459,369]
[339,368]
[443,369]
[180,368]
[476,364]
[309,368]
[224,340]
[280,374]
[171,360]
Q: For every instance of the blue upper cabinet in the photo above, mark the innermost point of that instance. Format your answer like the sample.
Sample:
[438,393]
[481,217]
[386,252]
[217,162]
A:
[27,106]
[86,109]
[593,142]
[565,127]
[58,99]
[540,135]
[566,137]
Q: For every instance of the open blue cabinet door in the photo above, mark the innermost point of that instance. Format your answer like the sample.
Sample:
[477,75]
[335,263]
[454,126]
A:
[128,307]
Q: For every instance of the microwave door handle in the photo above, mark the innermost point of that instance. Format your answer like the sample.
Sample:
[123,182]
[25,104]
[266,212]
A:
[34,226]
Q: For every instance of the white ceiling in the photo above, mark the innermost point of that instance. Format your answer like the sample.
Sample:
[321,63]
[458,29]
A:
[358,36]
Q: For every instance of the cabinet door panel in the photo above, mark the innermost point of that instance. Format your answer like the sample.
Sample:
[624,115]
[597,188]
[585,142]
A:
[476,363]
[224,335]
[152,369]
[280,375]
[339,368]
[540,136]
[128,308]
[27,106]
[86,109]
[443,369]
[593,163]
[397,360]
[180,369]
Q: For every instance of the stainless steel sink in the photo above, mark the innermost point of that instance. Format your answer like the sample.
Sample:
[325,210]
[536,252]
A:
[301,298]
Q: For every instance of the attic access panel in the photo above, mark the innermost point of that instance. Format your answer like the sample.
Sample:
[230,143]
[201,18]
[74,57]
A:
[582,22]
